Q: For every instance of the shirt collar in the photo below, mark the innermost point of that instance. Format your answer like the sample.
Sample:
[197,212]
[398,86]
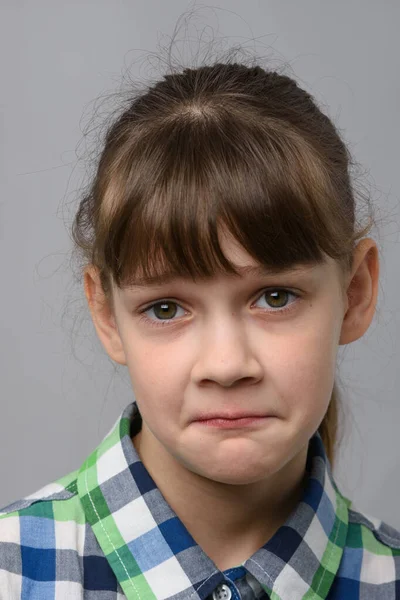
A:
[154,556]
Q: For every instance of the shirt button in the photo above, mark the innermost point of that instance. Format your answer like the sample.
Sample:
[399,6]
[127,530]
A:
[222,592]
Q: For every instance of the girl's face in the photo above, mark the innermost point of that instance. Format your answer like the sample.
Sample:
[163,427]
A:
[229,345]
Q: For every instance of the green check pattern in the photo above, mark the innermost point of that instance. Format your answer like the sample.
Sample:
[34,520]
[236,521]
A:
[105,532]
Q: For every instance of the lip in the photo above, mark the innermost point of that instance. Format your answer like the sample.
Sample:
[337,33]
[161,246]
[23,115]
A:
[220,423]
[229,415]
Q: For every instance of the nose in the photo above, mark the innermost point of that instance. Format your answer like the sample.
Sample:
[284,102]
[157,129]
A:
[227,355]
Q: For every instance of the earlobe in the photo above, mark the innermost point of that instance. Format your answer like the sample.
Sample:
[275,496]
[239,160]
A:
[103,317]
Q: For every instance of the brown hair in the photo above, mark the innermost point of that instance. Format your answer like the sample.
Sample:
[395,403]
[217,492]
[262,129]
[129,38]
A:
[223,144]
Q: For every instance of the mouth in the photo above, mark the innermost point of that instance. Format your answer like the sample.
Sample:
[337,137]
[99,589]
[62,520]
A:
[222,423]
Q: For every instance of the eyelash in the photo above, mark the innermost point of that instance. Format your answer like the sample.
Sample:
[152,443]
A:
[163,323]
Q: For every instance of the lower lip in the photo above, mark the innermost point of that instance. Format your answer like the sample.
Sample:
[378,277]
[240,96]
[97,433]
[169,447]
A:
[234,423]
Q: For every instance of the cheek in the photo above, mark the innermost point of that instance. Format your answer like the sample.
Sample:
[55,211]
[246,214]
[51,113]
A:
[156,379]
[305,376]
[162,363]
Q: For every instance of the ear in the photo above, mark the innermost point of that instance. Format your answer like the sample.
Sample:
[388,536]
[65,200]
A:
[102,316]
[361,292]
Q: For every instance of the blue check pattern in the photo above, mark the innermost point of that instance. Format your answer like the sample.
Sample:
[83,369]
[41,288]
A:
[105,532]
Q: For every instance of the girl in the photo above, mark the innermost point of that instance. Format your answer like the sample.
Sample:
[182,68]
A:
[223,266]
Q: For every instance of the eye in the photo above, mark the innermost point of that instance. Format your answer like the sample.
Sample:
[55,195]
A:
[166,308]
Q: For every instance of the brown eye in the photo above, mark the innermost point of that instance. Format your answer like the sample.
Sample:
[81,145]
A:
[278,297]
[165,311]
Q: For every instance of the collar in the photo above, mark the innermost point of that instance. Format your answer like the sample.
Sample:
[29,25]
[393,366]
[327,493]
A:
[152,554]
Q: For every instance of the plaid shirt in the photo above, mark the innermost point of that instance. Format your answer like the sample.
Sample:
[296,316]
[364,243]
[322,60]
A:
[105,532]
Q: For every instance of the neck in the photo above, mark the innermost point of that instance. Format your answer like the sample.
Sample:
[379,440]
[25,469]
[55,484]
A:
[218,515]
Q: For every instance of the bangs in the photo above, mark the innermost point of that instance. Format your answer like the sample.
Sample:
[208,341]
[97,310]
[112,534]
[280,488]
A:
[187,178]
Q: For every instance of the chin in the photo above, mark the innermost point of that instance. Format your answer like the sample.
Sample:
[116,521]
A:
[235,479]
[241,475]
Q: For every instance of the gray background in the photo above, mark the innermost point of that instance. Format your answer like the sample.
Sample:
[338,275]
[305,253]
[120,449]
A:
[60,393]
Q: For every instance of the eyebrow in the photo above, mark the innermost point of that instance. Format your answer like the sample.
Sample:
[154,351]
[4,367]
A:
[259,270]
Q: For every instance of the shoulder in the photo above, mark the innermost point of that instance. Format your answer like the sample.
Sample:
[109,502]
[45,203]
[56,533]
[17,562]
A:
[33,528]
[63,488]
[370,560]
[376,533]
